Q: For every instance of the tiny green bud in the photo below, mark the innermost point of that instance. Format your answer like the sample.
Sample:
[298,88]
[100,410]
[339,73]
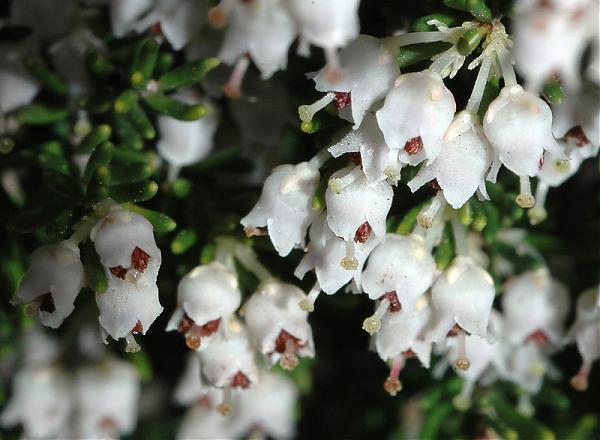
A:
[176,109]
[41,114]
[125,101]
[134,192]
[161,223]
[48,79]
[187,74]
[99,134]
[183,241]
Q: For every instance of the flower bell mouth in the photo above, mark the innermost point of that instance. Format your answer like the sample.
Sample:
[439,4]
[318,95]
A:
[239,380]
[414,146]
[194,333]
[538,337]
[363,233]
[43,303]
[139,263]
[580,381]
[138,328]
[395,305]
[287,345]
[577,135]
[342,100]
[355,158]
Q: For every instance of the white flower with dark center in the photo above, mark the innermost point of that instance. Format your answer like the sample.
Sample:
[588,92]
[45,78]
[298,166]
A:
[267,409]
[462,300]
[377,161]
[125,244]
[182,143]
[399,271]
[328,256]
[207,297]
[368,72]
[355,208]
[550,40]
[261,29]
[578,117]
[586,332]
[513,113]
[462,164]
[285,206]
[229,363]
[277,326]
[41,403]
[401,338]
[17,86]
[330,24]
[535,306]
[416,114]
[107,399]
[51,283]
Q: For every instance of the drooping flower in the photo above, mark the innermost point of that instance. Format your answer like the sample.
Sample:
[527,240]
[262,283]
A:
[586,332]
[578,117]
[535,307]
[416,114]
[402,337]
[277,326]
[52,282]
[107,399]
[207,297]
[285,206]
[17,87]
[462,164]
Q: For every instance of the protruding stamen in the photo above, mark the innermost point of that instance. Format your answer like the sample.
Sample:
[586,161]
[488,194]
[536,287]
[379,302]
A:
[225,408]
[307,112]
[233,88]
[251,231]
[289,360]
[193,339]
[43,303]
[308,303]
[337,184]
[349,262]
[131,344]
[132,275]
[462,401]
[538,213]
[580,380]
[525,199]
[460,237]
[426,217]
[333,71]
[462,362]
[392,384]
[373,323]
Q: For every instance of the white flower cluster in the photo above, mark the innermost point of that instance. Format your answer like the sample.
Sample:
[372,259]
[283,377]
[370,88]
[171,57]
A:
[225,345]
[96,401]
[124,243]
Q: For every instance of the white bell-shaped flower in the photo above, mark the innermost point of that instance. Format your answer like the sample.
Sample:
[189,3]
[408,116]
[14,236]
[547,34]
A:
[334,261]
[401,338]
[229,363]
[277,326]
[264,30]
[285,206]
[207,297]
[204,422]
[190,389]
[549,41]
[268,408]
[355,208]
[586,332]
[416,114]
[182,143]
[107,399]
[535,306]
[401,264]
[462,296]
[52,282]
[368,72]
[17,86]
[41,403]
[578,116]
[377,160]
[462,164]
[329,24]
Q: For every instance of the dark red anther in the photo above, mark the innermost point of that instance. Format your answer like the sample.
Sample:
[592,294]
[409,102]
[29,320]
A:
[408,354]
[538,337]
[210,327]
[342,99]
[281,341]
[456,330]
[577,135]
[395,305]
[139,259]
[356,158]
[47,303]
[435,185]
[118,272]
[138,328]
[414,145]
[155,29]
[185,324]
[363,233]
[240,380]
[541,161]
